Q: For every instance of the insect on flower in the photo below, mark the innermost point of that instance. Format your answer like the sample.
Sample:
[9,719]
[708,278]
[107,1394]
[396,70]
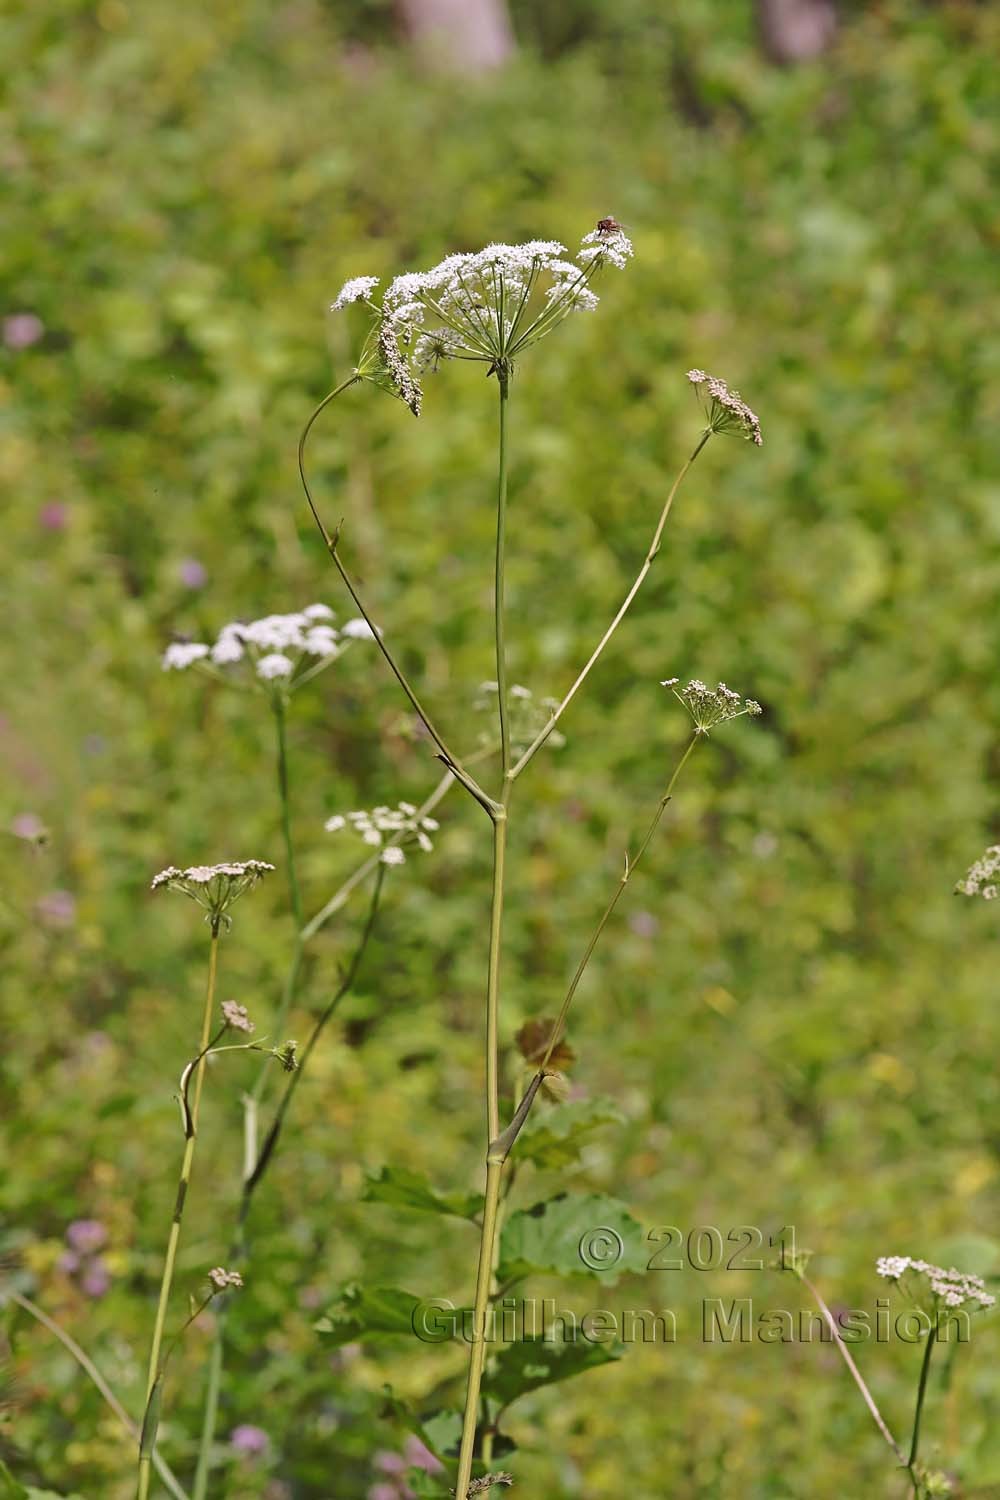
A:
[609,225]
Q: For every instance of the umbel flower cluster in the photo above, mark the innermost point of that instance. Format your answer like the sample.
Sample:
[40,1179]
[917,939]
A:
[725,410]
[214,887]
[982,878]
[528,715]
[487,305]
[281,650]
[711,706]
[391,827]
[952,1288]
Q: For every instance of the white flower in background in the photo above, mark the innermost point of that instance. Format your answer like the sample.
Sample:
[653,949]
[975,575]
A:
[725,410]
[222,1279]
[281,651]
[950,1288]
[181,655]
[527,716]
[711,706]
[487,305]
[983,878]
[388,829]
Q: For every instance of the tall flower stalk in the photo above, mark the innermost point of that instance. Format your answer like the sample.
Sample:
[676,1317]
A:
[215,888]
[489,307]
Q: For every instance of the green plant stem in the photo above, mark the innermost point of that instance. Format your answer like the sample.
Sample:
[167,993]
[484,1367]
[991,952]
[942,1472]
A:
[90,1369]
[499,626]
[856,1374]
[331,542]
[294,894]
[496,1153]
[630,867]
[477,1353]
[921,1393]
[650,557]
[255,1165]
[187,1161]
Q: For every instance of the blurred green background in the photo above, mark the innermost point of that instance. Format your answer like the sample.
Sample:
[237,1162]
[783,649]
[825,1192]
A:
[792,1010]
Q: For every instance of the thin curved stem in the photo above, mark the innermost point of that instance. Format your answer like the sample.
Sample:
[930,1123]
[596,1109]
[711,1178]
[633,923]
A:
[856,1374]
[630,868]
[650,557]
[148,1438]
[90,1369]
[331,542]
[271,1139]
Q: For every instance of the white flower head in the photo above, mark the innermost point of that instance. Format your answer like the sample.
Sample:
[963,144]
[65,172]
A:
[222,1280]
[183,654]
[214,887]
[276,652]
[357,289]
[273,665]
[982,878]
[390,829]
[725,410]
[487,305]
[709,707]
[235,1015]
[947,1288]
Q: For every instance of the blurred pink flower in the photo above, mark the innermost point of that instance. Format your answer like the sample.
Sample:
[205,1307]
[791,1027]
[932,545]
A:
[53,516]
[57,909]
[27,825]
[249,1440]
[86,1236]
[191,573]
[21,330]
[419,1456]
[95,1280]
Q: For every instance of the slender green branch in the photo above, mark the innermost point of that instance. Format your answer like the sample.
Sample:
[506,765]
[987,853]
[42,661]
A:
[493,977]
[630,867]
[856,1374]
[499,577]
[294,894]
[148,1437]
[271,1139]
[477,1352]
[90,1369]
[650,557]
[331,542]
[925,1368]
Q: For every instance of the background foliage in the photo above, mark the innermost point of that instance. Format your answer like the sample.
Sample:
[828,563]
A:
[794,1014]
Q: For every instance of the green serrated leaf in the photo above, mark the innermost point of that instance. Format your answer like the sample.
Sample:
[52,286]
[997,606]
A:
[572,1235]
[365,1312]
[405,1189]
[557,1136]
[532,1363]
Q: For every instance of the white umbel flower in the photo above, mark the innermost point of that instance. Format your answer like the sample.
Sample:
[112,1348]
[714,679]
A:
[357,289]
[278,651]
[711,706]
[982,878]
[951,1288]
[388,829]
